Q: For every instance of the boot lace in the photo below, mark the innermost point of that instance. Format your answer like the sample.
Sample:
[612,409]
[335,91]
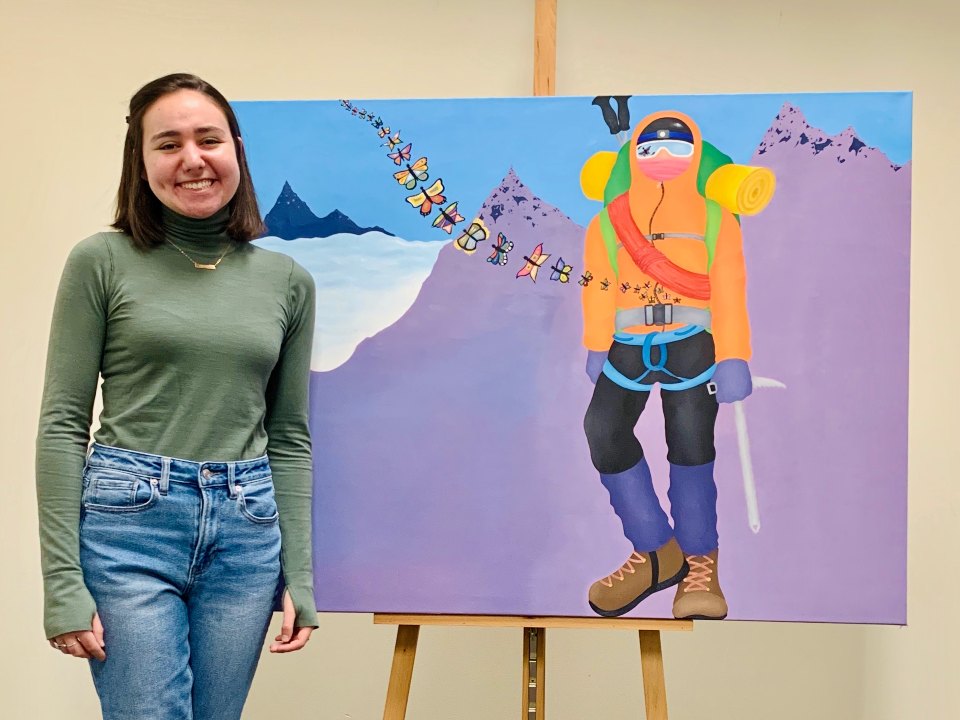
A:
[627,567]
[700,573]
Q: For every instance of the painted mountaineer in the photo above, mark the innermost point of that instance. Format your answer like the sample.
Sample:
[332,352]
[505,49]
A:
[676,316]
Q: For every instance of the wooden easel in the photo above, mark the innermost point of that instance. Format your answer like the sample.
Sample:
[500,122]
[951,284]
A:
[534,628]
[533,688]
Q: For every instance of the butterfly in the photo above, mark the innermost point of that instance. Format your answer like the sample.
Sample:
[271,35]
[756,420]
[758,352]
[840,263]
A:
[363,114]
[476,233]
[624,287]
[447,218]
[383,131]
[604,284]
[561,271]
[400,155]
[536,259]
[354,111]
[393,140]
[409,177]
[378,123]
[585,279]
[500,250]
[425,199]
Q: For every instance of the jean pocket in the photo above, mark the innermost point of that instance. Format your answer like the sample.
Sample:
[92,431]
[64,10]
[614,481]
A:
[257,502]
[111,490]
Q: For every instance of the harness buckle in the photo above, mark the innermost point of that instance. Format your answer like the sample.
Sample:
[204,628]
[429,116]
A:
[658,236]
[660,314]
[711,388]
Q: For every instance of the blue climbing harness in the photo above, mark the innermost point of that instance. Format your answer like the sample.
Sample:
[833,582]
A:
[660,339]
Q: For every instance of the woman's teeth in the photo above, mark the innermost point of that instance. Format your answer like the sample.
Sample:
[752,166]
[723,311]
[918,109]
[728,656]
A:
[198,185]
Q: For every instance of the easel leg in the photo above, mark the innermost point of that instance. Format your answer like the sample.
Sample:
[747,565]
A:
[534,673]
[401,673]
[654,686]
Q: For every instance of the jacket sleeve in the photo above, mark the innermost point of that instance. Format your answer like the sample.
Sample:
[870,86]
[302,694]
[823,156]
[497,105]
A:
[728,293]
[599,306]
[289,444]
[74,353]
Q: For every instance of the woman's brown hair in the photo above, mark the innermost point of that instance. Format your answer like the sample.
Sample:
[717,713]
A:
[138,209]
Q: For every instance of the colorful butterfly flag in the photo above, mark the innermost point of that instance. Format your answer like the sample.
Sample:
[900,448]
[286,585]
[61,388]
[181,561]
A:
[561,271]
[378,123]
[363,114]
[383,132]
[393,140]
[354,111]
[604,284]
[500,250]
[536,259]
[476,233]
[414,173]
[447,218]
[585,279]
[400,155]
[425,199]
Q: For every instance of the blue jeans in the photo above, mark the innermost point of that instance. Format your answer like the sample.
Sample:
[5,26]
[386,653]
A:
[183,561]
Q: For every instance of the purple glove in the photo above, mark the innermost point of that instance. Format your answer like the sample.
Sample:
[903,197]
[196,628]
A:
[733,380]
[595,361]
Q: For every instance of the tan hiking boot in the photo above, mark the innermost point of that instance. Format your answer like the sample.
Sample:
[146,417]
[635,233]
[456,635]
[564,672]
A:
[637,579]
[699,596]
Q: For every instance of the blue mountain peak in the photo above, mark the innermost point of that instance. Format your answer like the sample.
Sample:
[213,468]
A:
[291,218]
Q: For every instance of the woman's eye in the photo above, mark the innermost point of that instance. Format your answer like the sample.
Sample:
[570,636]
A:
[167,146]
[212,141]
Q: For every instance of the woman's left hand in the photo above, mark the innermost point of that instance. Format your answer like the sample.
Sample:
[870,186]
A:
[291,638]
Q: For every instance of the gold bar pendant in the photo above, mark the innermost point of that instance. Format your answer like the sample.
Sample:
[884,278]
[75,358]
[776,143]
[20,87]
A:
[200,266]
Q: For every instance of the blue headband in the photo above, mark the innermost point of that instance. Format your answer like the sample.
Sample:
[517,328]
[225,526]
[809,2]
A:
[665,135]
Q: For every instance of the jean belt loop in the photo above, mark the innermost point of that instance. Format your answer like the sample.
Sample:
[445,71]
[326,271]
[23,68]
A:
[232,478]
[165,476]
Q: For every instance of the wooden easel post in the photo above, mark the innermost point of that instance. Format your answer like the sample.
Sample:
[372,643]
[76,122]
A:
[401,673]
[545,47]
[533,690]
[654,684]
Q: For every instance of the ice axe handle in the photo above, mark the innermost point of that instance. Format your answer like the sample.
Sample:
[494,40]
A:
[746,464]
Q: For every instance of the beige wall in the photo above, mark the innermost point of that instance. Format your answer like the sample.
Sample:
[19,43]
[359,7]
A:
[67,68]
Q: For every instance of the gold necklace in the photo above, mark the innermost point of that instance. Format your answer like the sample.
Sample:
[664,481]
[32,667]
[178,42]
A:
[201,266]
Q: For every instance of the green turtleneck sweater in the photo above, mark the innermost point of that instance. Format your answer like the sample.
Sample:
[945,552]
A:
[196,364]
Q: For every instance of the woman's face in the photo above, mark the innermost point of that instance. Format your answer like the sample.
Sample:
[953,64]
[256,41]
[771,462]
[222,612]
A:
[189,155]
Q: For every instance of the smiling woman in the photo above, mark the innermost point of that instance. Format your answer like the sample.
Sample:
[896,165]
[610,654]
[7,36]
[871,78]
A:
[163,571]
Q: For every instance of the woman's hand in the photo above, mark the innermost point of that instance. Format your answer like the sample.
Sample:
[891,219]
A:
[291,638]
[85,644]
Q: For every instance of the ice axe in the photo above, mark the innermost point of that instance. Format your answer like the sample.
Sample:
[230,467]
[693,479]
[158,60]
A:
[746,461]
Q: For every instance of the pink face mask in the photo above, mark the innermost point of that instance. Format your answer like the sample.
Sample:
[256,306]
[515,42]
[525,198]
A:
[663,165]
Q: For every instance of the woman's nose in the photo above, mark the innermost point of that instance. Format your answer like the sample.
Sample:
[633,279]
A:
[192,157]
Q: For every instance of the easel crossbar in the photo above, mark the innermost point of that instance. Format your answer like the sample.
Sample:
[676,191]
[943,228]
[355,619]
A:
[522,621]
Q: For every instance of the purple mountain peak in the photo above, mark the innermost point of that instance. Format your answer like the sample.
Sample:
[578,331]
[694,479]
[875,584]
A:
[790,133]
[513,200]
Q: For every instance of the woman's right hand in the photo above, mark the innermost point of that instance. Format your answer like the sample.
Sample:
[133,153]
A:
[84,644]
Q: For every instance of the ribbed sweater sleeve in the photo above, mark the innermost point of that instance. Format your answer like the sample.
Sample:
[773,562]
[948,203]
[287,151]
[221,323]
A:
[72,369]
